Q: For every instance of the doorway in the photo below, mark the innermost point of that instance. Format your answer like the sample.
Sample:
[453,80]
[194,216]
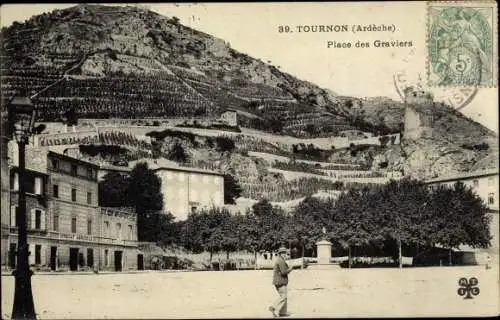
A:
[73,259]
[53,258]
[12,256]
[90,257]
[140,262]
[118,260]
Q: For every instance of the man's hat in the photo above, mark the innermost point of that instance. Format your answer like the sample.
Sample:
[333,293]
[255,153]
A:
[282,249]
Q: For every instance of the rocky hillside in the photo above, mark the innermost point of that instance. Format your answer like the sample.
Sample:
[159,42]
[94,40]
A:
[127,62]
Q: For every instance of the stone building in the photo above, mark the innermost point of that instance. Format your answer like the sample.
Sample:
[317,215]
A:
[5,188]
[36,209]
[229,117]
[187,190]
[67,230]
[419,117]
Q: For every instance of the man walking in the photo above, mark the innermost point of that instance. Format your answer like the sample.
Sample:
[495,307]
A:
[280,281]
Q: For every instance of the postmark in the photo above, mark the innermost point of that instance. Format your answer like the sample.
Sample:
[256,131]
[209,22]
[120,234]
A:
[461,44]
[457,97]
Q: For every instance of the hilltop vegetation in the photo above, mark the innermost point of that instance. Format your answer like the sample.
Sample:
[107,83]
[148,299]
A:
[127,62]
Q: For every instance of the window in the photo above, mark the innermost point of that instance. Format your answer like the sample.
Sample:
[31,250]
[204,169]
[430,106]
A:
[490,182]
[118,230]
[475,183]
[130,232]
[106,228]
[13,216]
[89,227]
[38,254]
[90,257]
[90,172]
[106,257]
[55,191]
[38,186]
[38,219]
[491,198]
[89,197]
[73,194]
[73,225]
[55,223]
[74,169]
[55,164]
[14,182]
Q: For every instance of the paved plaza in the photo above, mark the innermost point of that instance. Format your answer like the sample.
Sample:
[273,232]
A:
[244,294]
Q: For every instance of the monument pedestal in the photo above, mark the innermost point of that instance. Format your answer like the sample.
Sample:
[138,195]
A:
[324,249]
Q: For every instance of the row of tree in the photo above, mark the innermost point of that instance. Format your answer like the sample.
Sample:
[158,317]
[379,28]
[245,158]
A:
[401,217]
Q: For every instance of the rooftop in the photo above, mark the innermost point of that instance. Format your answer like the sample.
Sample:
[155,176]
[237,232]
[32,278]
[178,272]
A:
[464,175]
[163,164]
[65,157]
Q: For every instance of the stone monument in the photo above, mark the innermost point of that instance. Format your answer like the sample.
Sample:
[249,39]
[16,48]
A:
[324,254]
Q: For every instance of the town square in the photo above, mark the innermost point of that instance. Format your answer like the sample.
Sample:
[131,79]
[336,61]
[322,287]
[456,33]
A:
[305,160]
[245,294]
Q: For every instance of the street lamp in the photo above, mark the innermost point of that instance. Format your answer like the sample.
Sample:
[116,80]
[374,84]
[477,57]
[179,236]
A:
[22,116]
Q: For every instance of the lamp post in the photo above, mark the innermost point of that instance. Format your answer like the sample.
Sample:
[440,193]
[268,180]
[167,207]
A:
[21,124]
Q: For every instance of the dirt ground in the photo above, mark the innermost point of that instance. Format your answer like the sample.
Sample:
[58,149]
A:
[247,294]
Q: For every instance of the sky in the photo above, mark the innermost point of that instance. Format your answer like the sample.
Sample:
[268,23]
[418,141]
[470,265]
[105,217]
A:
[253,28]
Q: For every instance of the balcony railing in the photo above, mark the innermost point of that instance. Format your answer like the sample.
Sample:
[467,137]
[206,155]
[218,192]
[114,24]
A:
[54,235]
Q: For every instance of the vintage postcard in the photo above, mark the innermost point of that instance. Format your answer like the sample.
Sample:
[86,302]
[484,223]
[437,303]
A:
[249,160]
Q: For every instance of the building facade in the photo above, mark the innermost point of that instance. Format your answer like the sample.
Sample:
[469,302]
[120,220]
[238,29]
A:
[485,184]
[5,188]
[229,117]
[187,190]
[67,230]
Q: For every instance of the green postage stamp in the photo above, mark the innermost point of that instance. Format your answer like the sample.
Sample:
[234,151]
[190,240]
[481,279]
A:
[461,44]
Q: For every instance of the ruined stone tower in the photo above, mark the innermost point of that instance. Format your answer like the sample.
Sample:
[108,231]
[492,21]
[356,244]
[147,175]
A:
[418,113]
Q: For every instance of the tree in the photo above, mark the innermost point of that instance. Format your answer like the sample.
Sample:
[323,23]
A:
[71,117]
[383,141]
[311,129]
[141,189]
[113,190]
[177,153]
[460,218]
[305,225]
[265,226]
[144,194]
[232,190]
[224,144]
[276,125]
[144,190]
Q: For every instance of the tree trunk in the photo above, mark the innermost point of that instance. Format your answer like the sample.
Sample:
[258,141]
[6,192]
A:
[400,255]
[227,255]
[255,257]
[449,257]
[350,260]
[210,261]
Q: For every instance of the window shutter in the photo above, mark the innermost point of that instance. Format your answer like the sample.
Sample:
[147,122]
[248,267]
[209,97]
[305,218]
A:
[16,182]
[43,255]
[38,185]
[33,218]
[31,257]
[43,220]
[13,216]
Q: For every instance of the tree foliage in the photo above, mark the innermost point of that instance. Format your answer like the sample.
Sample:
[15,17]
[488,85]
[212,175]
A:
[232,190]
[141,189]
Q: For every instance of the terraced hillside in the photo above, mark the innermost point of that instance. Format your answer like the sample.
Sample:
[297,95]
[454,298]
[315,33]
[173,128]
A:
[127,62]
